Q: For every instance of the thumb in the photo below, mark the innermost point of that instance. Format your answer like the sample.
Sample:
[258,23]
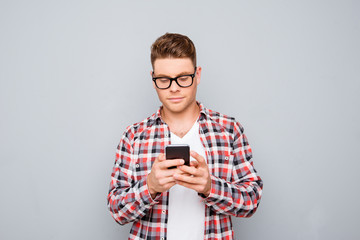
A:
[161,157]
[194,164]
[198,158]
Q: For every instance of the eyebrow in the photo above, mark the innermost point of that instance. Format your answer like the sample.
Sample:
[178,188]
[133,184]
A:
[180,74]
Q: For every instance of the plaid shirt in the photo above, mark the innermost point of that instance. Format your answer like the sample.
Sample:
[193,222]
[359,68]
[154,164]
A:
[235,187]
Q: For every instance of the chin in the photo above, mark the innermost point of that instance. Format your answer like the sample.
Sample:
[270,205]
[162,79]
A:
[175,108]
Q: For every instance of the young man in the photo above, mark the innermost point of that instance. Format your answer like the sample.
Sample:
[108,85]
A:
[185,202]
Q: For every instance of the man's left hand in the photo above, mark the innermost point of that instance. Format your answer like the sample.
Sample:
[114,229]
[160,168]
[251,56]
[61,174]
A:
[196,177]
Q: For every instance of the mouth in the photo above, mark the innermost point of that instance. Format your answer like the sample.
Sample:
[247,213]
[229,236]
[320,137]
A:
[175,99]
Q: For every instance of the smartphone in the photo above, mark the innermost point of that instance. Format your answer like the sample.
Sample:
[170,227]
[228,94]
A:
[178,151]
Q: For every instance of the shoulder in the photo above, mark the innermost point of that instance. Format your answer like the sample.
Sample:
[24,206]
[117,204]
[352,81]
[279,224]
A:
[133,131]
[228,123]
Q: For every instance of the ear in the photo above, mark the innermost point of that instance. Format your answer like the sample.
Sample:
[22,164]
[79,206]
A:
[198,75]
[153,83]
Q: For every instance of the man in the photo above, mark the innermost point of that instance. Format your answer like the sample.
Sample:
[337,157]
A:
[185,202]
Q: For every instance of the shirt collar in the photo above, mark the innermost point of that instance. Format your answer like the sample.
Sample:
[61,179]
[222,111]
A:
[203,112]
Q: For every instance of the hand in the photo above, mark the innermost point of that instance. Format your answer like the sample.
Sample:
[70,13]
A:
[161,179]
[196,177]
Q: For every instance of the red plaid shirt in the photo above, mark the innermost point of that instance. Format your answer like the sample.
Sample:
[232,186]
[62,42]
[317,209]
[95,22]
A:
[235,186]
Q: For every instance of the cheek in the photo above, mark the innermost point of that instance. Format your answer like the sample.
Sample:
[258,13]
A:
[160,94]
[193,90]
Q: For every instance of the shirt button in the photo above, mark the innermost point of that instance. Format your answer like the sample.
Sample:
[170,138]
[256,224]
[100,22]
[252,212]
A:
[166,135]
[163,211]
[226,158]
[162,238]
[137,165]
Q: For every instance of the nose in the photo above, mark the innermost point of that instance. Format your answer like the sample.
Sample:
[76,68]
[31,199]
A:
[174,87]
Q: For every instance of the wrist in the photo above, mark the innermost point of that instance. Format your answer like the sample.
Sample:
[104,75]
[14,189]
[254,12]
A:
[206,193]
[208,188]
[152,191]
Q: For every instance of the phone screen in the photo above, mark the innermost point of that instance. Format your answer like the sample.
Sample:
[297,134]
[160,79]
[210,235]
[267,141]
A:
[178,151]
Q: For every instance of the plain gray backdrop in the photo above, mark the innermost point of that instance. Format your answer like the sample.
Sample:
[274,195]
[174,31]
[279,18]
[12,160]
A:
[74,74]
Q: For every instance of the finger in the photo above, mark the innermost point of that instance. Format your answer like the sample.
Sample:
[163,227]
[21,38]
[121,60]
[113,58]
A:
[172,163]
[167,180]
[167,186]
[167,172]
[180,172]
[198,158]
[161,157]
[187,179]
[194,164]
[189,170]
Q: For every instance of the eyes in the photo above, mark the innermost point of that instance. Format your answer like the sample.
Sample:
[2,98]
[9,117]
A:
[183,81]
[184,78]
[162,80]
[181,78]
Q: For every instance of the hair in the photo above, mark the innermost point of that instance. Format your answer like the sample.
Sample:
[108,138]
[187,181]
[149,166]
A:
[173,45]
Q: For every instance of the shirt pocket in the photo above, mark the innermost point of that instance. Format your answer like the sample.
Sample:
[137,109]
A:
[142,166]
[221,164]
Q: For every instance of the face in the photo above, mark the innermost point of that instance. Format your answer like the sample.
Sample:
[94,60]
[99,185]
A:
[176,99]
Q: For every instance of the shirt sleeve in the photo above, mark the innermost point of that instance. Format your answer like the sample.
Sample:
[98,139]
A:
[241,196]
[128,200]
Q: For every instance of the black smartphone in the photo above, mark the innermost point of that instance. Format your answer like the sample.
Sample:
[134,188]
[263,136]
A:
[178,151]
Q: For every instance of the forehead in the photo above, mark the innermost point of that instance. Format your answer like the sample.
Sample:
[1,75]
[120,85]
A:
[171,66]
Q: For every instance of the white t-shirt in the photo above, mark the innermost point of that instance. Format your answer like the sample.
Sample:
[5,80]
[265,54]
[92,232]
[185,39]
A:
[186,219]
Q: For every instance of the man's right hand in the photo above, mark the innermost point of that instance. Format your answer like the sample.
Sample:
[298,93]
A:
[161,179]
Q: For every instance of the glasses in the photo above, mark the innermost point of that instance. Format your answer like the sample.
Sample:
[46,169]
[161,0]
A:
[183,81]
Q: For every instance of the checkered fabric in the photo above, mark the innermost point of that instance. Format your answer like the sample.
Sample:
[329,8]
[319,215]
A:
[235,186]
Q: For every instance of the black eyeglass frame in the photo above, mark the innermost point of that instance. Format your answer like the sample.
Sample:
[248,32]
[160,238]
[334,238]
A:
[175,79]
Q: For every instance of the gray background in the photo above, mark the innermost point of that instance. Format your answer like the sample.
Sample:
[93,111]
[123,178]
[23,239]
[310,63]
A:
[74,74]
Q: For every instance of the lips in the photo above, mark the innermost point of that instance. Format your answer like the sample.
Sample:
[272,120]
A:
[175,99]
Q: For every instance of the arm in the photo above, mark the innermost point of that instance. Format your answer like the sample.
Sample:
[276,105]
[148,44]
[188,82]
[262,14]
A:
[241,196]
[128,200]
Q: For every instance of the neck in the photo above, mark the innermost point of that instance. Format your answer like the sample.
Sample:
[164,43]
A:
[181,122]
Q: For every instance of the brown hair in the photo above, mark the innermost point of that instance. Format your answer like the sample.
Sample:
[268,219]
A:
[173,45]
